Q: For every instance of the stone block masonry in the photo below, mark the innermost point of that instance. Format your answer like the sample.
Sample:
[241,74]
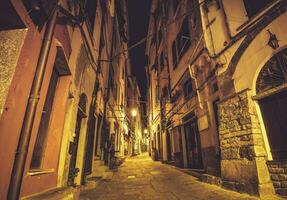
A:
[241,143]
[278,173]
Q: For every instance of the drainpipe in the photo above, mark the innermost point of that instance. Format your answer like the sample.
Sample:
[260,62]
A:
[25,135]
[194,77]
[193,74]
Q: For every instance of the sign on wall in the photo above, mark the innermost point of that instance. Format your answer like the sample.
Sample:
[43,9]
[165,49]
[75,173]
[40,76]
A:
[202,122]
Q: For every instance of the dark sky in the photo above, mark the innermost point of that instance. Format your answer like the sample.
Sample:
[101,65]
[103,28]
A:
[138,22]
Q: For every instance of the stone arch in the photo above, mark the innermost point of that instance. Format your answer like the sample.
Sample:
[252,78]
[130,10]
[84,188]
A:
[250,36]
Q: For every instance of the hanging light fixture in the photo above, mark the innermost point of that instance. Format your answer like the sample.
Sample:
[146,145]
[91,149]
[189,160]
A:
[273,42]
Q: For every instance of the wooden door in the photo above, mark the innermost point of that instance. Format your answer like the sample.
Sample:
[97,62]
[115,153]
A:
[193,147]
[274,113]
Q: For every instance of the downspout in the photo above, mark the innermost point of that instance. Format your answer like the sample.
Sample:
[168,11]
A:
[26,131]
[193,74]
[194,77]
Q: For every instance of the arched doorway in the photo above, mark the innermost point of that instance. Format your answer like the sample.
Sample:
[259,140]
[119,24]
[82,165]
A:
[73,171]
[90,142]
[271,89]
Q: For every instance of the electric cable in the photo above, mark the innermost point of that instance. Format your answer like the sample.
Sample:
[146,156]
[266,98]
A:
[189,12]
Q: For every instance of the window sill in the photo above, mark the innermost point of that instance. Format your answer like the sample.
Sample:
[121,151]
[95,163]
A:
[35,172]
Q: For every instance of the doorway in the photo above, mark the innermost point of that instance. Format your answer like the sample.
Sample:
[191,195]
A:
[274,113]
[193,147]
[81,114]
[90,138]
[168,145]
[271,88]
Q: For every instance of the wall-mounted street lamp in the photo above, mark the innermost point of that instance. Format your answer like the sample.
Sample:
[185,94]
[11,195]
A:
[145,131]
[134,112]
[273,42]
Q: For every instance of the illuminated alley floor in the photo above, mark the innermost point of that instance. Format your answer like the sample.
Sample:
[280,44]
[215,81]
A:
[140,178]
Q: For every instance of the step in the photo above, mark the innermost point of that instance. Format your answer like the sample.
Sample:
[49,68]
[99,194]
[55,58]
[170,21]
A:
[61,193]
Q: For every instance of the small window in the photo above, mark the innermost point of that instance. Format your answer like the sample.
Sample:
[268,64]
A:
[43,130]
[157,94]
[181,43]
[41,15]
[123,73]
[174,54]
[165,92]
[255,6]
[159,36]
[184,37]
[9,18]
[90,9]
[162,61]
[188,89]
[175,4]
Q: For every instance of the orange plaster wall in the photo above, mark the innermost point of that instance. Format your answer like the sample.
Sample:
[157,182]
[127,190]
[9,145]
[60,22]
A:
[15,106]
[12,117]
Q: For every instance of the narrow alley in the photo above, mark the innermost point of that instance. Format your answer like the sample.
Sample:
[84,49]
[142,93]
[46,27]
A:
[140,178]
[143,99]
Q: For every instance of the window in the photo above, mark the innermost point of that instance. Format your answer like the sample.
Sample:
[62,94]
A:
[123,72]
[159,36]
[174,54]
[181,43]
[184,40]
[90,9]
[187,89]
[43,130]
[162,61]
[165,92]
[254,6]
[121,21]
[157,94]
[39,16]
[175,4]
[9,19]
[218,4]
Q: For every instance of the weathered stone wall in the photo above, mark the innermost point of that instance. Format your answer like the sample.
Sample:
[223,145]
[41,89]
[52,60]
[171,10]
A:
[241,143]
[278,173]
[11,42]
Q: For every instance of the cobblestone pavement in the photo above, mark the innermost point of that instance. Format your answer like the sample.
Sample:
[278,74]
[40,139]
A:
[140,178]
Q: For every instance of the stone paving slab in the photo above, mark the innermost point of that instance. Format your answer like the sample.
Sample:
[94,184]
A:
[140,178]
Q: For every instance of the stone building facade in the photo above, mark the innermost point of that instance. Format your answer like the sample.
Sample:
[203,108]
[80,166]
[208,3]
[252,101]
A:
[228,120]
[64,70]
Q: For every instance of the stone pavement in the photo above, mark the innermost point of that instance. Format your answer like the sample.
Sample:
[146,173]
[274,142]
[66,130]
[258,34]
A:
[140,178]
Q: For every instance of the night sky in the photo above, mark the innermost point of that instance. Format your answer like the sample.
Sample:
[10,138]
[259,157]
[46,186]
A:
[138,24]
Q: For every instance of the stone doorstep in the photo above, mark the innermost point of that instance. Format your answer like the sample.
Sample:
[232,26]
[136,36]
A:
[206,178]
[60,193]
